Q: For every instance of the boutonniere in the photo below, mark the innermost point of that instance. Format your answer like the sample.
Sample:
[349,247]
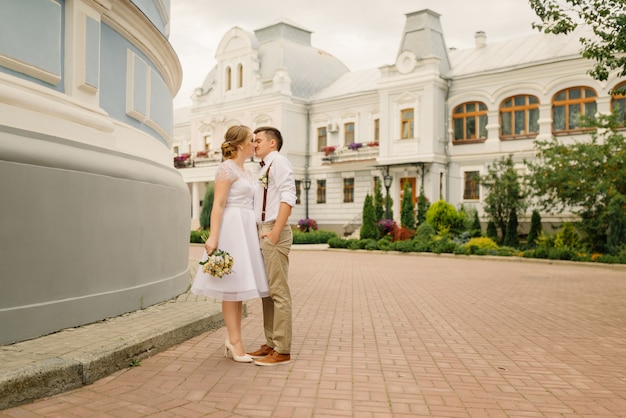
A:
[264,179]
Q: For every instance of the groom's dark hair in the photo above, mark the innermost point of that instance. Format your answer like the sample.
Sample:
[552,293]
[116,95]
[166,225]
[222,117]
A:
[272,133]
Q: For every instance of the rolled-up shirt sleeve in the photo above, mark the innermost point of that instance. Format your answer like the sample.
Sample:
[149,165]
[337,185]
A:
[285,181]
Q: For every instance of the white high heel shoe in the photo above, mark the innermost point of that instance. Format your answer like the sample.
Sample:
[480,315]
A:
[240,359]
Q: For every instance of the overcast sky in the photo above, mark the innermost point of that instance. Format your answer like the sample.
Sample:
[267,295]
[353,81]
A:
[361,33]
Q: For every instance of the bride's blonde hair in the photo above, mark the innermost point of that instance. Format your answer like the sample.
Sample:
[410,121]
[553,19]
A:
[235,136]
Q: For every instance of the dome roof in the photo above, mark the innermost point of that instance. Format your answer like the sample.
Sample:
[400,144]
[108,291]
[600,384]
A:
[286,46]
[309,68]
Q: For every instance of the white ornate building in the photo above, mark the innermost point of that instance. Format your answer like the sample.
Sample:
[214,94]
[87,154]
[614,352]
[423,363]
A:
[435,118]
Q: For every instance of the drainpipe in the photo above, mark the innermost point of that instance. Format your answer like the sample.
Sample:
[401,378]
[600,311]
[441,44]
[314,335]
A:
[307,157]
[446,143]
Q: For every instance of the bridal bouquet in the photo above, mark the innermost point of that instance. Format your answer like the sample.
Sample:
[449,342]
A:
[218,264]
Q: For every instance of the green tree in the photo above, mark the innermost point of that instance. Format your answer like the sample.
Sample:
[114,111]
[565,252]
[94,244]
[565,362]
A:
[492,231]
[407,213]
[616,216]
[511,239]
[582,177]
[606,19]
[535,229]
[476,229]
[369,228]
[379,208]
[207,204]
[422,207]
[504,192]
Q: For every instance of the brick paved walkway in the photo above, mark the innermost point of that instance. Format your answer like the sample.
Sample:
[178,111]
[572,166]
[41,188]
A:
[393,335]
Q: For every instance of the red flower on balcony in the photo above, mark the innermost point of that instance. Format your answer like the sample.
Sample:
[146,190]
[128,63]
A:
[329,150]
[181,160]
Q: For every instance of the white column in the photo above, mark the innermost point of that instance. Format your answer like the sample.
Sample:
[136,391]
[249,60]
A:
[195,201]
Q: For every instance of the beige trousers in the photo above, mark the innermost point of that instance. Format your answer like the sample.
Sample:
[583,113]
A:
[277,307]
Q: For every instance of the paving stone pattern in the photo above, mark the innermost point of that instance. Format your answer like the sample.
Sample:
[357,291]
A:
[397,335]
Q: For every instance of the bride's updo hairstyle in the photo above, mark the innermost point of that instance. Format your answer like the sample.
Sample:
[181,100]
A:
[235,136]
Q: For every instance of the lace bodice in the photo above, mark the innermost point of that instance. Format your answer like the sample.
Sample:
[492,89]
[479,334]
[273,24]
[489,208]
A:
[243,184]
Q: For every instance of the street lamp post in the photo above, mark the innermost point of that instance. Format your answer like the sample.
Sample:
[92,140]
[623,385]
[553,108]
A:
[387,180]
[307,187]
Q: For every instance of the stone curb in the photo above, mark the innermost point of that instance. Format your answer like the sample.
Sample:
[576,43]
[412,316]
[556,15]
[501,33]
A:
[42,376]
[74,357]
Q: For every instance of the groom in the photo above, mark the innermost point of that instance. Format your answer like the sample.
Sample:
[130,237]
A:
[273,200]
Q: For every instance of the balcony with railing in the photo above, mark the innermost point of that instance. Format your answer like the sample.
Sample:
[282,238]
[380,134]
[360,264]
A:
[356,151]
[197,159]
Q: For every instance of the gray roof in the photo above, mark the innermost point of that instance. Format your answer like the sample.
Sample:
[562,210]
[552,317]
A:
[285,45]
[356,82]
[423,37]
[516,53]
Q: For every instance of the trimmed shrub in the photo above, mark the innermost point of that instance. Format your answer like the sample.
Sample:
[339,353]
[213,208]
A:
[401,234]
[567,237]
[313,237]
[337,242]
[207,205]
[405,246]
[422,207]
[198,237]
[424,232]
[492,231]
[369,228]
[407,207]
[482,242]
[616,216]
[476,230]
[535,229]
[443,245]
[444,217]
[385,245]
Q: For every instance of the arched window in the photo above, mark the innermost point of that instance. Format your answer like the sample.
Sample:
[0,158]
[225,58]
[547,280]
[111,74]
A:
[569,106]
[228,77]
[519,117]
[239,76]
[618,102]
[470,121]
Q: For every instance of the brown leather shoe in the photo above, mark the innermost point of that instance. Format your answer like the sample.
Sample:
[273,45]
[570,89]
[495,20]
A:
[265,350]
[274,359]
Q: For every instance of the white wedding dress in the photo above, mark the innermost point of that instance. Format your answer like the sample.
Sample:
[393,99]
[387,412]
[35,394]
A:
[239,238]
